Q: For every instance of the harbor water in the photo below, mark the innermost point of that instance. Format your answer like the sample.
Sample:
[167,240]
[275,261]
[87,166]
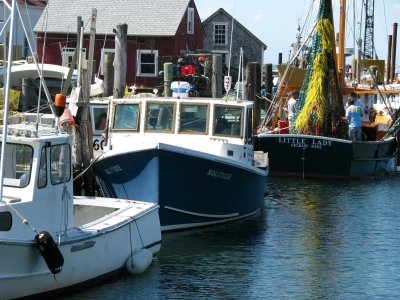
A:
[312,240]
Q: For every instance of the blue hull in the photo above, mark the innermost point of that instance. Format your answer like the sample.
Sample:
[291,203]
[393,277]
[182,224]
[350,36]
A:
[192,191]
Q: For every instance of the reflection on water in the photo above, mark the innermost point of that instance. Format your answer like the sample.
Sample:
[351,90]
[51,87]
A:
[313,240]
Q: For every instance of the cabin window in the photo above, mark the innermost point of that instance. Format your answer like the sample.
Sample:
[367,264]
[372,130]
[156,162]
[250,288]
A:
[67,56]
[42,177]
[18,165]
[99,119]
[160,117]
[60,162]
[190,20]
[126,117]
[193,118]
[147,63]
[249,126]
[220,33]
[227,121]
[5,221]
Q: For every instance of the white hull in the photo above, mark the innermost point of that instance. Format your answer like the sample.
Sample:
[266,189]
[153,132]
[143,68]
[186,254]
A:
[92,251]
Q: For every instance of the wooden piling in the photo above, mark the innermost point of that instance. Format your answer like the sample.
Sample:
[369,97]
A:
[253,88]
[268,85]
[216,79]
[168,75]
[108,74]
[394,45]
[121,33]
[389,59]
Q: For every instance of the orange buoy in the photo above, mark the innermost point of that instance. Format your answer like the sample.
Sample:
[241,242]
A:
[59,104]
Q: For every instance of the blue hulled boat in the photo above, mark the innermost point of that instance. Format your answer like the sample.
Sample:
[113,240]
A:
[194,157]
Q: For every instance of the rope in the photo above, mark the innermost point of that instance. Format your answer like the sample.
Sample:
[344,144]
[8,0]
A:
[24,220]
[88,167]
[140,236]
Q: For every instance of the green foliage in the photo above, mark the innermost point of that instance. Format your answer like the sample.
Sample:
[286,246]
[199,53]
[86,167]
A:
[14,99]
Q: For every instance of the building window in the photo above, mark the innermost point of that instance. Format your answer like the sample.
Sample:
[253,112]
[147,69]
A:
[68,55]
[27,51]
[104,51]
[190,20]
[147,63]
[220,33]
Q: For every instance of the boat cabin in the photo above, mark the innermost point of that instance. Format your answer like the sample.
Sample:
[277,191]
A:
[37,169]
[215,126]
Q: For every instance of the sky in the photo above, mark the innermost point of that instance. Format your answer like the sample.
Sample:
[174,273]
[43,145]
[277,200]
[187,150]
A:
[275,22]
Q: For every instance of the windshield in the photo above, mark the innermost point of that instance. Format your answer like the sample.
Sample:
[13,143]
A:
[17,164]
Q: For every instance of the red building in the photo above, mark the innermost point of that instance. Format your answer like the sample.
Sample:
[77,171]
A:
[155,28]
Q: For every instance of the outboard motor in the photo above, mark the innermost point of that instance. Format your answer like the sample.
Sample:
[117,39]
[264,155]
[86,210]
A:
[50,252]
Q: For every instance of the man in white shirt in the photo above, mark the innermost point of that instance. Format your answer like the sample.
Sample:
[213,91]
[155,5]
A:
[292,104]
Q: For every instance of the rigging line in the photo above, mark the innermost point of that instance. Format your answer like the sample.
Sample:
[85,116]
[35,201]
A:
[6,101]
[30,23]
[41,82]
[5,24]
[268,118]
[37,66]
[385,17]
[230,46]
[24,220]
[88,167]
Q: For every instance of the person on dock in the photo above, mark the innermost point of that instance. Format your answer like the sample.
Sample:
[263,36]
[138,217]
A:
[354,114]
[292,104]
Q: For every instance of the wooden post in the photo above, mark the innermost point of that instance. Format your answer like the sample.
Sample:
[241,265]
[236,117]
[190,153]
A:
[108,74]
[91,44]
[78,48]
[168,75]
[394,42]
[207,72]
[121,32]
[216,81]
[84,132]
[253,88]
[389,59]
[268,85]
[27,94]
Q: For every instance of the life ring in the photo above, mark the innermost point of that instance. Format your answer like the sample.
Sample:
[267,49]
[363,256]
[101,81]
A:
[139,261]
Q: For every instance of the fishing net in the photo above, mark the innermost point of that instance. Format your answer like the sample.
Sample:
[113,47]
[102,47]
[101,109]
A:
[395,127]
[320,105]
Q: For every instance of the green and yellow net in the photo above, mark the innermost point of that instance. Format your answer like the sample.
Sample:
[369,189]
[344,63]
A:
[320,105]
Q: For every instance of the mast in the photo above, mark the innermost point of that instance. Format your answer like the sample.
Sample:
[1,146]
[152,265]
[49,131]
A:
[341,42]
[7,89]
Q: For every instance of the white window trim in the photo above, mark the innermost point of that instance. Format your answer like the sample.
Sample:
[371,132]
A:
[226,32]
[190,20]
[103,53]
[69,52]
[138,69]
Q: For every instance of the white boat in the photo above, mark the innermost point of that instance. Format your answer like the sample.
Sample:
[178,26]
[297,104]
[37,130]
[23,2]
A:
[192,156]
[54,75]
[94,235]
[50,239]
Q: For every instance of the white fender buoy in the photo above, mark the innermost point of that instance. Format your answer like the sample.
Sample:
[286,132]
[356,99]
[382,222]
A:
[139,261]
